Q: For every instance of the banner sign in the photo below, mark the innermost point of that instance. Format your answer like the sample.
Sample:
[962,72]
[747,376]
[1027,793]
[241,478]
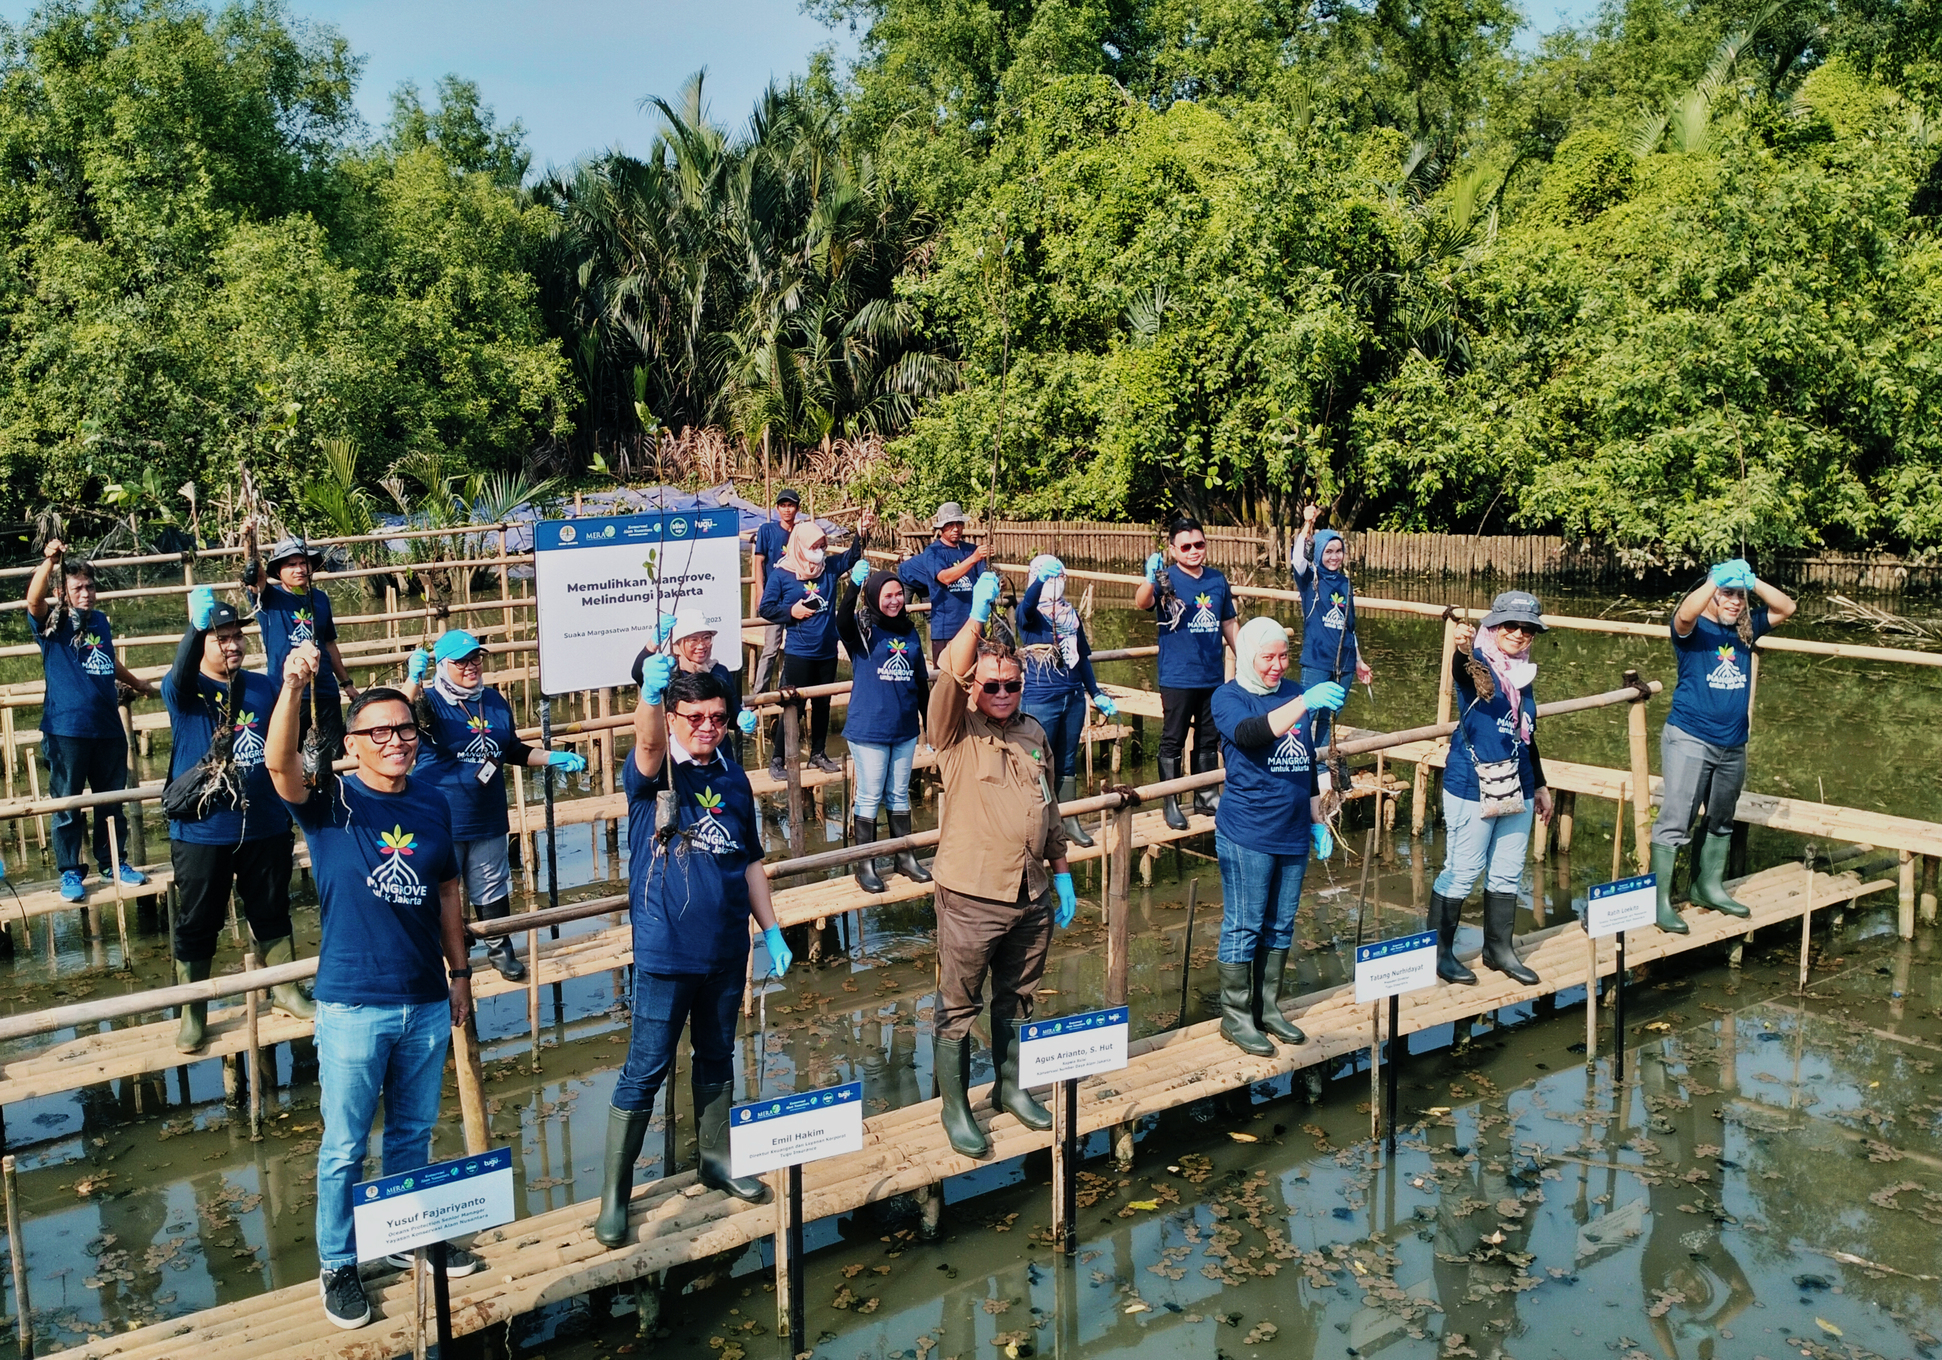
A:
[432,1204]
[1392,967]
[1072,1046]
[598,582]
[765,1135]
[1629,904]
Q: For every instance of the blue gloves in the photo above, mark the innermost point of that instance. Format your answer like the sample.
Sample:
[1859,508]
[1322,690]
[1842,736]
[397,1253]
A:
[1735,574]
[655,676]
[664,629]
[1319,837]
[1049,570]
[1153,564]
[859,574]
[1328,695]
[745,720]
[984,595]
[1104,703]
[202,606]
[779,956]
[1068,901]
[567,762]
[421,662]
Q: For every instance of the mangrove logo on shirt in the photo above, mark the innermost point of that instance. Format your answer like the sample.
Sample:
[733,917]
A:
[897,666]
[1727,674]
[248,746]
[394,880]
[710,829]
[96,659]
[812,595]
[1203,620]
[1337,616]
[1291,757]
[303,625]
[482,749]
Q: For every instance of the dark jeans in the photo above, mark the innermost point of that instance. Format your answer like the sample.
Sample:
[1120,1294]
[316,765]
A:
[798,671]
[84,765]
[260,869]
[1178,707]
[707,1004]
[976,936]
[1320,720]
[1064,721]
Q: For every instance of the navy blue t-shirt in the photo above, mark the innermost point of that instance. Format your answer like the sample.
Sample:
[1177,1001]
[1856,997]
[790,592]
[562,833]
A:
[1190,653]
[883,690]
[814,636]
[689,899]
[950,605]
[1328,640]
[466,739]
[80,698]
[1715,669]
[378,859]
[290,620]
[1264,803]
[192,725]
[1486,733]
[771,541]
[1053,682]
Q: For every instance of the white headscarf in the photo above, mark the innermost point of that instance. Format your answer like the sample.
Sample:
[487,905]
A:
[1058,611]
[1255,634]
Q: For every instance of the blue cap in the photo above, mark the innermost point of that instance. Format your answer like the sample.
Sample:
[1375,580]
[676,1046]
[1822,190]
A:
[455,644]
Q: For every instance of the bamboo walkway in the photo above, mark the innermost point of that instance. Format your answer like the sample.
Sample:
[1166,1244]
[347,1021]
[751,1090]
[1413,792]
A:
[553,1256]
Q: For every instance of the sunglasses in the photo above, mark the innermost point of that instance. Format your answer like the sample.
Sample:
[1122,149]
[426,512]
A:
[704,719]
[1526,629]
[406,733]
[1007,686]
[1200,546]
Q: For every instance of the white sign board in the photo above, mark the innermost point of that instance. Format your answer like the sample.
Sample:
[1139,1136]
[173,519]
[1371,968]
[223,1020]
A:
[1393,967]
[598,583]
[765,1135]
[432,1204]
[1072,1046]
[1629,904]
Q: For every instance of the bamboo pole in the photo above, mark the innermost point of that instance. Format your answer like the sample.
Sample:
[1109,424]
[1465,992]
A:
[17,1256]
[1930,865]
[471,1080]
[1905,897]
[121,902]
[250,1014]
[1641,775]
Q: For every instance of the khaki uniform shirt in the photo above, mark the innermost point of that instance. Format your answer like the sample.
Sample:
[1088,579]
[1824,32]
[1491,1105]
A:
[1000,820]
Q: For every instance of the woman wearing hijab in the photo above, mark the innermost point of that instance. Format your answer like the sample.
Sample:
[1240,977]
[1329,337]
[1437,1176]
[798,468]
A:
[801,597]
[1268,817]
[1058,674]
[890,690]
[1328,642]
[1493,783]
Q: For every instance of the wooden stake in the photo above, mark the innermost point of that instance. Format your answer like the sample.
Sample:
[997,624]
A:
[1806,919]
[471,1081]
[1591,998]
[1618,834]
[17,1253]
[121,902]
[791,759]
[1905,915]
[1118,903]
[1930,865]
[1375,1070]
[255,1068]
[1641,779]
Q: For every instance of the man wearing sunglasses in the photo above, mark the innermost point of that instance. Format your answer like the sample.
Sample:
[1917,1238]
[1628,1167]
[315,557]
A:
[392,977]
[995,894]
[1196,620]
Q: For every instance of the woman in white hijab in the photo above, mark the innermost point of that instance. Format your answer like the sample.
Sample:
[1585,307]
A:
[1269,816]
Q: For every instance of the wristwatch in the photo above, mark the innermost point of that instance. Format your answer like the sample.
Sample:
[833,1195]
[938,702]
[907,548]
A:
[456,974]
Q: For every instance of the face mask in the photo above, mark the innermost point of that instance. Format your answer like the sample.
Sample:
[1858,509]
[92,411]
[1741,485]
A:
[815,556]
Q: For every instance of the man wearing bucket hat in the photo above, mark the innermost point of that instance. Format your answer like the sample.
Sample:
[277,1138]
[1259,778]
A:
[690,638]
[468,737]
[292,611]
[771,541]
[947,572]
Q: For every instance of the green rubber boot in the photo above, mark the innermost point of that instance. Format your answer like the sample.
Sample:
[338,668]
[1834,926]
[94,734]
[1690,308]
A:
[626,1131]
[1006,1093]
[950,1060]
[1270,965]
[1237,1010]
[195,1015]
[1709,880]
[1664,859]
[288,998]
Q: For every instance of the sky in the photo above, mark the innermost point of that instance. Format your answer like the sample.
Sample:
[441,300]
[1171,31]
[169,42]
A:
[574,71]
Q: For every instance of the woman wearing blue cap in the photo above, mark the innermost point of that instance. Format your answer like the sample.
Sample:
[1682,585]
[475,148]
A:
[1493,783]
[469,736]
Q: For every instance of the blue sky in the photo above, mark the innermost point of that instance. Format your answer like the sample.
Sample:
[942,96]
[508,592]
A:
[574,71]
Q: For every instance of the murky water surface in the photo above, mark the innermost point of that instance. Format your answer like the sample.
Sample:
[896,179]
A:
[1767,1181]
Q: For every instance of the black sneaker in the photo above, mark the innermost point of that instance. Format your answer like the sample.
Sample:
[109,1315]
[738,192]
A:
[825,764]
[344,1301]
[777,770]
[458,1262]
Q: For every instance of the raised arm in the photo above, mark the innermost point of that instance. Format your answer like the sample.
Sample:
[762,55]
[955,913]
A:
[650,721]
[956,571]
[846,630]
[1780,605]
[1690,608]
[281,756]
[37,583]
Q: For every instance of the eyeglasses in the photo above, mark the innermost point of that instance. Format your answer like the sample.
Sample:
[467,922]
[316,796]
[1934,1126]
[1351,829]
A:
[703,719]
[406,733]
[474,662]
[1200,546]
[1008,686]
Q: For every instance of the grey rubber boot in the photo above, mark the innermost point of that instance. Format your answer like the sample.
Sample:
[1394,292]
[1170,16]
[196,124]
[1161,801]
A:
[1446,913]
[1665,858]
[195,1016]
[907,864]
[1499,913]
[1237,1010]
[1075,834]
[711,1131]
[1170,809]
[1206,800]
[865,831]
[1709,880]
[626,1131]
[1006,1093]
[1269,966]
[950,1059]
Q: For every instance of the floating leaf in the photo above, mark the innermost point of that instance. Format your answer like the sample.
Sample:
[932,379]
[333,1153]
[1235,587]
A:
[1828,1327]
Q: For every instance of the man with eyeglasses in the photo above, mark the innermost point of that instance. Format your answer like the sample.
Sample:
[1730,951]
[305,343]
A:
[694,877]
[1000,830]
[468,739]
[1196,618]
[392,976]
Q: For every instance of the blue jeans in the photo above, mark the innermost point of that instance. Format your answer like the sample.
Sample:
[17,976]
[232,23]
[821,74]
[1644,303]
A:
[395,1052]
[882,777]
[1321,720]
[82,765]
[1476,842]
[707,1004]
[1260,893]
[1064,721]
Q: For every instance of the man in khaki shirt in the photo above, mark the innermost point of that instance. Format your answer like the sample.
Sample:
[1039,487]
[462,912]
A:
[999,826]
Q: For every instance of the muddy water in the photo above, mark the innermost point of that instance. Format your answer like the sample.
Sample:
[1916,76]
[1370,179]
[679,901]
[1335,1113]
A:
[1673,1217]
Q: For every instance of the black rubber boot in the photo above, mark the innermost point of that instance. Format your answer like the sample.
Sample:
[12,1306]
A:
[1709,880]
[1170,769]
[195,1016]
[1665,858]
[626,1131]
[499,949]
[711,1131]
[1006,1093]
[1075,834]
[1206,800]
[865,831]
[951,1060]
[1237,1010]
[907,864]
[1445,914]
[1269,965]
[1499,913]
